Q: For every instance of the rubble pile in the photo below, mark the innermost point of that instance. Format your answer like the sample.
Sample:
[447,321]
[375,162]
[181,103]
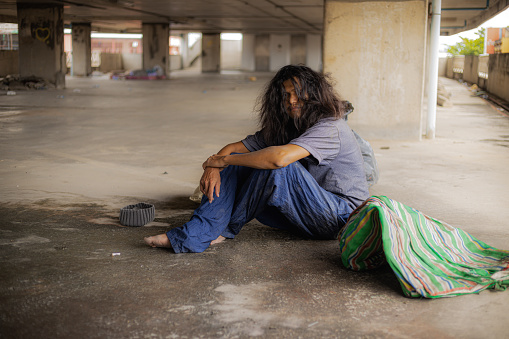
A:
[443,95]
[17,83]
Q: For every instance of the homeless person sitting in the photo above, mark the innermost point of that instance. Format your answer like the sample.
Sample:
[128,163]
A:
[302,171]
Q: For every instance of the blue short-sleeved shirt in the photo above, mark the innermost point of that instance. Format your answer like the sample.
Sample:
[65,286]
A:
[335,159]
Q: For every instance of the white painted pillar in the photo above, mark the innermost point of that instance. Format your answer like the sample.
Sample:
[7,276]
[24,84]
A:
[433,69]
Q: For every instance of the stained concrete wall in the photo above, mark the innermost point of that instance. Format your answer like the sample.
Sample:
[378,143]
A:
[376,52]
[279,47]
[470,69]
[298,49]
[498,75]
[156,45]
[314,51]
[41,42]
[9,62]
[211,52]
[248,52]
[262,52]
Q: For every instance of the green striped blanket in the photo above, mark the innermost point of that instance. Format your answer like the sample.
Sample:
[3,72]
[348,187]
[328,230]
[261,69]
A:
[430,258]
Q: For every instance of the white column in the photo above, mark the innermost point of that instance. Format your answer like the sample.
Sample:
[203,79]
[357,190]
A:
[433,69]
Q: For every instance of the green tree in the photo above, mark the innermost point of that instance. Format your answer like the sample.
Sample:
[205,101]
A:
[469,46]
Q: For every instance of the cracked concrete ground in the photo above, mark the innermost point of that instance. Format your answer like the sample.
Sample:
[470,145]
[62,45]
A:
[69,269]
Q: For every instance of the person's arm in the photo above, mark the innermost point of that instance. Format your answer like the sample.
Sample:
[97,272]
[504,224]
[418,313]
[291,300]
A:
[268,158]
[211,180]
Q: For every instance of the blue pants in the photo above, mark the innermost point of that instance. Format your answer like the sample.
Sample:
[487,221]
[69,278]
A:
[288,198]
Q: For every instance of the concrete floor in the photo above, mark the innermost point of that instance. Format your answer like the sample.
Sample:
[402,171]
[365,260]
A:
[70,159]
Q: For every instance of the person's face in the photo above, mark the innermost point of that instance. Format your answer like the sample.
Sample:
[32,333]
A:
[293,104]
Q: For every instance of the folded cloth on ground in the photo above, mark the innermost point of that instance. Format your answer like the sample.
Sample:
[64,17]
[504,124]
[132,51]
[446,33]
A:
[430,258]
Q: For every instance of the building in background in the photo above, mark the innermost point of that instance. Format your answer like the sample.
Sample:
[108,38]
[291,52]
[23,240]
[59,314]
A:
[497,40]
[9,37]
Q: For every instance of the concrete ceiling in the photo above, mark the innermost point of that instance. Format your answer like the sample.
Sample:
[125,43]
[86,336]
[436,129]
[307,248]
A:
[247,16]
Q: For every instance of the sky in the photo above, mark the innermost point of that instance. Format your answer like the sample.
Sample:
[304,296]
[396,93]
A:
[501,20]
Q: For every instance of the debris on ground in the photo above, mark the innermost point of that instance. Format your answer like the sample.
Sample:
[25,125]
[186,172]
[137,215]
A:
[443,96]
[14,83]
[155,73]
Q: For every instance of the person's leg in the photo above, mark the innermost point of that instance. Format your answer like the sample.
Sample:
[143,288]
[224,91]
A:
[209,219]
[288,198]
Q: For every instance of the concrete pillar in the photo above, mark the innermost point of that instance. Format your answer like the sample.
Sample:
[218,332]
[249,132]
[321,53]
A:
[376,53]
[248,52]
[156,46]
[81,49]
[298,49]
[41,42]
[314,51]
[279,51]
[211,53]
[262,52]
[184,50]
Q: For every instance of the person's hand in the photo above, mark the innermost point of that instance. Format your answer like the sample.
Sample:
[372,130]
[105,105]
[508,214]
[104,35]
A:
[215,161]
[210,181]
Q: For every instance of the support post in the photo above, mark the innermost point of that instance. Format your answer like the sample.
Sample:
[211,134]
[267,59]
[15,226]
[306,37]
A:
[211,53]
[41,42]
[433,69]
[156,46]
[81,49]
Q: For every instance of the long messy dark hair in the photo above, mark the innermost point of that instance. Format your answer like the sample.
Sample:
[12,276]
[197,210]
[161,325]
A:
[312,88]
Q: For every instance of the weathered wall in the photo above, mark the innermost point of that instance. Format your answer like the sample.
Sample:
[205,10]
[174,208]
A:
[9,62]
[498,75]
[41,42]
[279,51]
[376,52]
[470,67]
[211,52]
[482,71]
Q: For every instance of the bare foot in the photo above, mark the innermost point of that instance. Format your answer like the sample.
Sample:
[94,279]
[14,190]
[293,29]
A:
[160,240]
[218,240]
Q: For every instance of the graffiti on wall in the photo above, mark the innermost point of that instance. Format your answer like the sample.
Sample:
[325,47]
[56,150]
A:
[43,33]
